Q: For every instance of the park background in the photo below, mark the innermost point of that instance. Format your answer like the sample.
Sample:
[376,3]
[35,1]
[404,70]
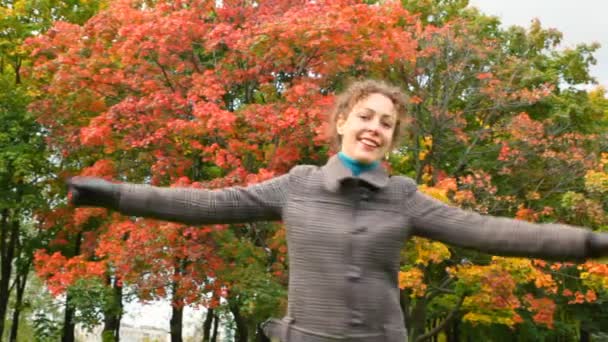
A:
[509,121]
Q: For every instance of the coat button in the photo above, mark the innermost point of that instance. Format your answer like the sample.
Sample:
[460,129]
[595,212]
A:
[360,229]
[364,195]
[356,321]
[353,273]
[356,318]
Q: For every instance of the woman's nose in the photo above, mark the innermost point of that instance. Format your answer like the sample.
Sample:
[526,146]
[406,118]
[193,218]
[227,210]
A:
[374,127]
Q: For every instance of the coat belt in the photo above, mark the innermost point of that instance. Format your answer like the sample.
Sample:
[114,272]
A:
[286,330]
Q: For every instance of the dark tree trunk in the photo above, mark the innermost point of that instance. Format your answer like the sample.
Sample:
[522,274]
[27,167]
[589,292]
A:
[418,319]
[405,308]
[241,325]
[177,315]
[453,332]
[585,336]
[177,305]
[68,321]
[8,241]
[111,328]
[18,71]
[207,325]
[216,324]
[21,281]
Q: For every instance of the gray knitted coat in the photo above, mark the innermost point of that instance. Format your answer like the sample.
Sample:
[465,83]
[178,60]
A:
[344,236]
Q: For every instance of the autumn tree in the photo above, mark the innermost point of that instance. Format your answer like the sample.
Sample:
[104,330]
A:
[491,135]
[206,95]
[167,96]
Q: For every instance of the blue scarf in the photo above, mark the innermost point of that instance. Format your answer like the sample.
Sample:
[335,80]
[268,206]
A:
[355,166]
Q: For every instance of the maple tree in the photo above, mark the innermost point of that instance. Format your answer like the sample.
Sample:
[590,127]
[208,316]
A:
[198,94]
[166,95]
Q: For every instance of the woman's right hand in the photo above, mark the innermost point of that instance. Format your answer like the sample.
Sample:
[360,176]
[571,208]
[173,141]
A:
[93,192]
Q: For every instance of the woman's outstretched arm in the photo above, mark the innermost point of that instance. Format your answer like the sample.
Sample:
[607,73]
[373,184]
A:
[435,220]
[259,202]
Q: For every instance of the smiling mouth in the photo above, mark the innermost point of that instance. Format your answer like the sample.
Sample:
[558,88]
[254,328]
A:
[369,143]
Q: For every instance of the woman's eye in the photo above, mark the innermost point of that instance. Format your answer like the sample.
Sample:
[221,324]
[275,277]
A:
[387,125]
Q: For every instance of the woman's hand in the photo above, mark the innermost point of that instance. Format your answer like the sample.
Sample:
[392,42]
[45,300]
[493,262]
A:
[93,192]
[598,245]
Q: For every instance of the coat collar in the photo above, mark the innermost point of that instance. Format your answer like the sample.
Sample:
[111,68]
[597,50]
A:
[334,173]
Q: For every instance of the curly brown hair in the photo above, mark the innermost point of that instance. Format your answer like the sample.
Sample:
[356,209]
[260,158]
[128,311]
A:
[358,90]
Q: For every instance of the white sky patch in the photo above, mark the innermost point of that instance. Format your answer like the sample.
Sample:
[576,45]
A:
[580,21]
[157,314]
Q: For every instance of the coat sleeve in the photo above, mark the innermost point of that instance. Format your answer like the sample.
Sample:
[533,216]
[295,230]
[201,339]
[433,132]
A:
[259,202]
[433,219]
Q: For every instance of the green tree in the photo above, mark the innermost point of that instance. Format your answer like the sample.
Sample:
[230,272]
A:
[471,142]
[25,166]
[23,172]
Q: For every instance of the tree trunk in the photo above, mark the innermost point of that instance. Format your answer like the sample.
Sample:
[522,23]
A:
[177,315]
[8,242]
[18,71]
[453,332]
[177,304]
[207,325]
[216,324]
[418,319]
[241,325]
[68,321]
[405,303]
[585,336]
[111,329]
[21,281]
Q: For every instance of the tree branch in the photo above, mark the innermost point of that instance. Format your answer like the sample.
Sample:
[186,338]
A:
[442,325]
[162,68]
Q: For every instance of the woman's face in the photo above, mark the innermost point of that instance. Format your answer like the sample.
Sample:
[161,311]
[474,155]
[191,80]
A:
[367,131]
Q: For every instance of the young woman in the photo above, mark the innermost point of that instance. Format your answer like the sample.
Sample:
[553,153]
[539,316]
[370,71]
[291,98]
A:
[346,224]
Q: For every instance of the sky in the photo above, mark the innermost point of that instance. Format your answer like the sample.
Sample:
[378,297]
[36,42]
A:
[580,21]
